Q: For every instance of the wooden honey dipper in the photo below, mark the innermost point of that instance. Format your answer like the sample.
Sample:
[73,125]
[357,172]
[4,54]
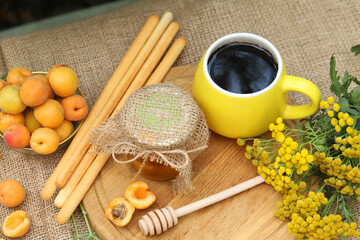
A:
[160,220]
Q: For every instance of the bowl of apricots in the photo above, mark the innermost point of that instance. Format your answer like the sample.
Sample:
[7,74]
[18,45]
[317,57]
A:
[40,112]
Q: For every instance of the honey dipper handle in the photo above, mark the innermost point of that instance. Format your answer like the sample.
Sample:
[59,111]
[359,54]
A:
[192,207]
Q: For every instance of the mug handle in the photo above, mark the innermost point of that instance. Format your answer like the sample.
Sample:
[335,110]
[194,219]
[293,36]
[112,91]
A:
[303,86]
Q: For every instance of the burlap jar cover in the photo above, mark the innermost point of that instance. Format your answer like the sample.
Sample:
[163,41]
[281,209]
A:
[160,123]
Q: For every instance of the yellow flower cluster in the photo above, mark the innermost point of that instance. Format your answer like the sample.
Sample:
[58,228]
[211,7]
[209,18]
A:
[326,104]
[275,175]
[288,153]
[306,223]
[281,161]
[338,174]
[349,146]
[289,206]
[315,227]
[338,119]
[334,167]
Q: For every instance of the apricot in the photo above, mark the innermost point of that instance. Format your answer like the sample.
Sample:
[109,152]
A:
[44,141]
[119,211]
[53,68]
[46,80]
[2,84]
[65,129]
[139,195]
[12,193]
[63,81]
[17,136]
[30,121]
[10,101]
[18,75]
[34,92]
[75,107]
[50,114]
[7,119]
[16,224]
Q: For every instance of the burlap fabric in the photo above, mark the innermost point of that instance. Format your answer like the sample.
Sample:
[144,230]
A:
[159,123]
[305,32]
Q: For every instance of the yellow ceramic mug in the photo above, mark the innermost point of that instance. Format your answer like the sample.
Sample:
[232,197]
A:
[248,115]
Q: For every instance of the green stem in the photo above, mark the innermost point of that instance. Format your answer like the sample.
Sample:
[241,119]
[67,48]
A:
[343,105]
[351,209]
[306,132]
[90,234]
[87,221]
[72,234]
[329,204]
[337,204]
[76,227]
[324,133]
[312,184]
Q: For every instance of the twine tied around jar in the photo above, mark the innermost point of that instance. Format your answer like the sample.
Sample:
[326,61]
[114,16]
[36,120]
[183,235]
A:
[159,123]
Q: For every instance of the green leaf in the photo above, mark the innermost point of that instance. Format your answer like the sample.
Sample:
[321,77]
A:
[343,101]
[344,106]
[320,141]
[356,81]
[346,83]
[346,77]
[356,50]
[4,77]
[335,86]
[355,95]
[298,126]
[320,148]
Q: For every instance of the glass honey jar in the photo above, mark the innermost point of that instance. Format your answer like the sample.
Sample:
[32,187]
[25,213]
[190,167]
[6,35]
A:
[154,170]
[160,130]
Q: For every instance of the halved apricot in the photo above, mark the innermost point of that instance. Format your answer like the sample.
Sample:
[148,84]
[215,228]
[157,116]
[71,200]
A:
[139,195]
[16,224]
[120,211]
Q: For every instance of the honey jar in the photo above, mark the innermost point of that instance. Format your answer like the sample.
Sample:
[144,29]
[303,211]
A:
[154,170]
[161,130]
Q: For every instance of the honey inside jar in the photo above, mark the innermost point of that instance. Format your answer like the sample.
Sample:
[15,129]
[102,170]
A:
[154,170]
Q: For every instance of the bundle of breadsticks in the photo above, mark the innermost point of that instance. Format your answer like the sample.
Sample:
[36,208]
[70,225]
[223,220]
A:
[77,170]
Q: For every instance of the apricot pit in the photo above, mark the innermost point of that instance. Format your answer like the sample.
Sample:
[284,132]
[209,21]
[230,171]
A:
[119,211]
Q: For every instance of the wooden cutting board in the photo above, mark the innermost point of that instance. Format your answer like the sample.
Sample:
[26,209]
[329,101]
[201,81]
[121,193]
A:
[248,215]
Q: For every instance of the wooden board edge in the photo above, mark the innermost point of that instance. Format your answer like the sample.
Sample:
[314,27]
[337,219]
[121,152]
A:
[92,208]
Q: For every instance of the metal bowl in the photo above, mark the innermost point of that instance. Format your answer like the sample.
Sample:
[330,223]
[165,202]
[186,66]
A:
[63,144]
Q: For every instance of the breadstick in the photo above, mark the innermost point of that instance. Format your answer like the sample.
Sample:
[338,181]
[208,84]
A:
[81,169]
[151,63]
[162,69]
[138,82]
[73,161]
[85,183]
[158,75]
[50,186]
[81,189]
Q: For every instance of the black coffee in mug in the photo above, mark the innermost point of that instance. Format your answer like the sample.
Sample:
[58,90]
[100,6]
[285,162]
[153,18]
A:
[241,67]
